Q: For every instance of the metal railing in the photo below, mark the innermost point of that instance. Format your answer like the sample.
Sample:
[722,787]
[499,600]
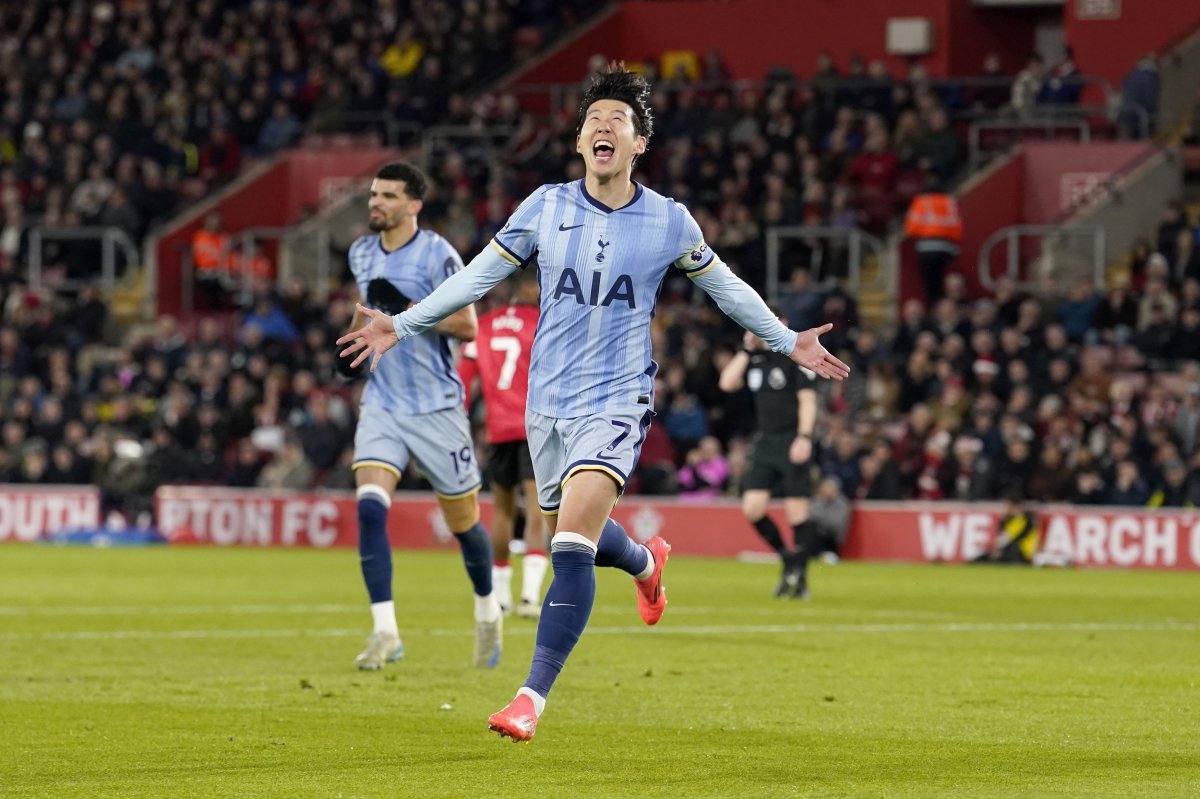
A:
[396,133]
[1050,125]
[112,240]
[858,244]
[1054,238]
[485,138]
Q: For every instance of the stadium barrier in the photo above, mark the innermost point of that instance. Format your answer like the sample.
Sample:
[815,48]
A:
[28,513]
[1079,535]
[883,531]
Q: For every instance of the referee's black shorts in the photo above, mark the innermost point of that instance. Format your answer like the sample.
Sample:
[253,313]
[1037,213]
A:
[769,468]
[509,464]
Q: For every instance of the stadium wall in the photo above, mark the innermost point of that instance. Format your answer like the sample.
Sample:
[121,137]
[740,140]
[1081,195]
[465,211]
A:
[275,197]
[753,36]
[1109,36]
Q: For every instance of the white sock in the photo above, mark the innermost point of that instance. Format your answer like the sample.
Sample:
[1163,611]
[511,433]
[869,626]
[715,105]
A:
[539,701]
[487,608]
[502,584]
[649,570]
[384,614]
[533,572]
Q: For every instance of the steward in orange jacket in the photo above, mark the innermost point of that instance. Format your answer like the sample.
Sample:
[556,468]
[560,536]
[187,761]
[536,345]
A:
[933,221]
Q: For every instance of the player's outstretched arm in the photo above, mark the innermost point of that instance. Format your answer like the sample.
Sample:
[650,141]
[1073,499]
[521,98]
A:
[809,353]
[458,291]
[743,304]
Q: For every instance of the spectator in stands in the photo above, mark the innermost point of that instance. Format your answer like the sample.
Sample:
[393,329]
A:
[290,468]
[1128,488]
[1063,85]
[967,474]
[1114,320]
[1139,99]
[1174,221]
[705,472]
[829,511]
[1052,479]
[993,89]
[270,321]
[937,150]
[281,130]
[1186,262]
[872,173]
[1174,490]
[1090,488]
[880,475]
[802,301]
[1185,337]
[1028,86]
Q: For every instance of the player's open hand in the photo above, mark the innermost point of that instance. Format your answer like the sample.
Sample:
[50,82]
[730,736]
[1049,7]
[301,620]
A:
[374,340]
[811,355]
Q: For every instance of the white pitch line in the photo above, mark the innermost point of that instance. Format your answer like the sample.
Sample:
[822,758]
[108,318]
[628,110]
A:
[732,629]
[294,609]
[160,610]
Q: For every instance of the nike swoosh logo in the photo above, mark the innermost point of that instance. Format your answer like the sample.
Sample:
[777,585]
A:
[564,227]
[561,605]
[604,457]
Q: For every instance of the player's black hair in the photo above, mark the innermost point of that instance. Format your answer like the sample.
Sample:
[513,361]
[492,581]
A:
[618,83]
[415,184]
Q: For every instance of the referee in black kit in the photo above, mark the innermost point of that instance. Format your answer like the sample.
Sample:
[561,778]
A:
[785,404]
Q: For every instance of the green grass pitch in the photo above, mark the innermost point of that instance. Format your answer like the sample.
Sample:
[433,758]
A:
[228,673]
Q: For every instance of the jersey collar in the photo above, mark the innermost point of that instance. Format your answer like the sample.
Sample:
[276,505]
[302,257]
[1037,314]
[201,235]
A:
[637,195]
[386,251]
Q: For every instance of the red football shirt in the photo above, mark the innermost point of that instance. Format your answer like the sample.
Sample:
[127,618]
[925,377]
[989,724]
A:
[499,356]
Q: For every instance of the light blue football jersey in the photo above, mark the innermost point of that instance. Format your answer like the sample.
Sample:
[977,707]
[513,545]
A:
[601,271]
[420,377]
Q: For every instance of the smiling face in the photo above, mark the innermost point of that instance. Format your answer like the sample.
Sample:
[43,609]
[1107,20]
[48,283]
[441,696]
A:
[608,140]
[389,205]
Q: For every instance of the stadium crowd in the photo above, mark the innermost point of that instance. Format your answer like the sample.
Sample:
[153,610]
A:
[117,113]
[1090,396]
[1046,395]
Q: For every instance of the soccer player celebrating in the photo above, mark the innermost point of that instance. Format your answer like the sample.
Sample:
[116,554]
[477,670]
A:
[604,245]
[413,406]
[499,356]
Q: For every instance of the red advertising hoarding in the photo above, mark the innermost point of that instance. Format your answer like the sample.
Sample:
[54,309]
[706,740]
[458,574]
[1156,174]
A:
[1100,537]
[911,531]
[28,513]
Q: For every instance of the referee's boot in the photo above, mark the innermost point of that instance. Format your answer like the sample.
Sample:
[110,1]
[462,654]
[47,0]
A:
[792,562]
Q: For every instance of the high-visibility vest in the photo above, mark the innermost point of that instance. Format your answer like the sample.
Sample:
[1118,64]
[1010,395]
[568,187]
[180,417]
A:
[934,216]
[206,250]
[258,265]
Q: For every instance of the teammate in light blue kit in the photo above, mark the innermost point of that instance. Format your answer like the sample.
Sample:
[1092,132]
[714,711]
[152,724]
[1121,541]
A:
[603,246]
[412,406]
